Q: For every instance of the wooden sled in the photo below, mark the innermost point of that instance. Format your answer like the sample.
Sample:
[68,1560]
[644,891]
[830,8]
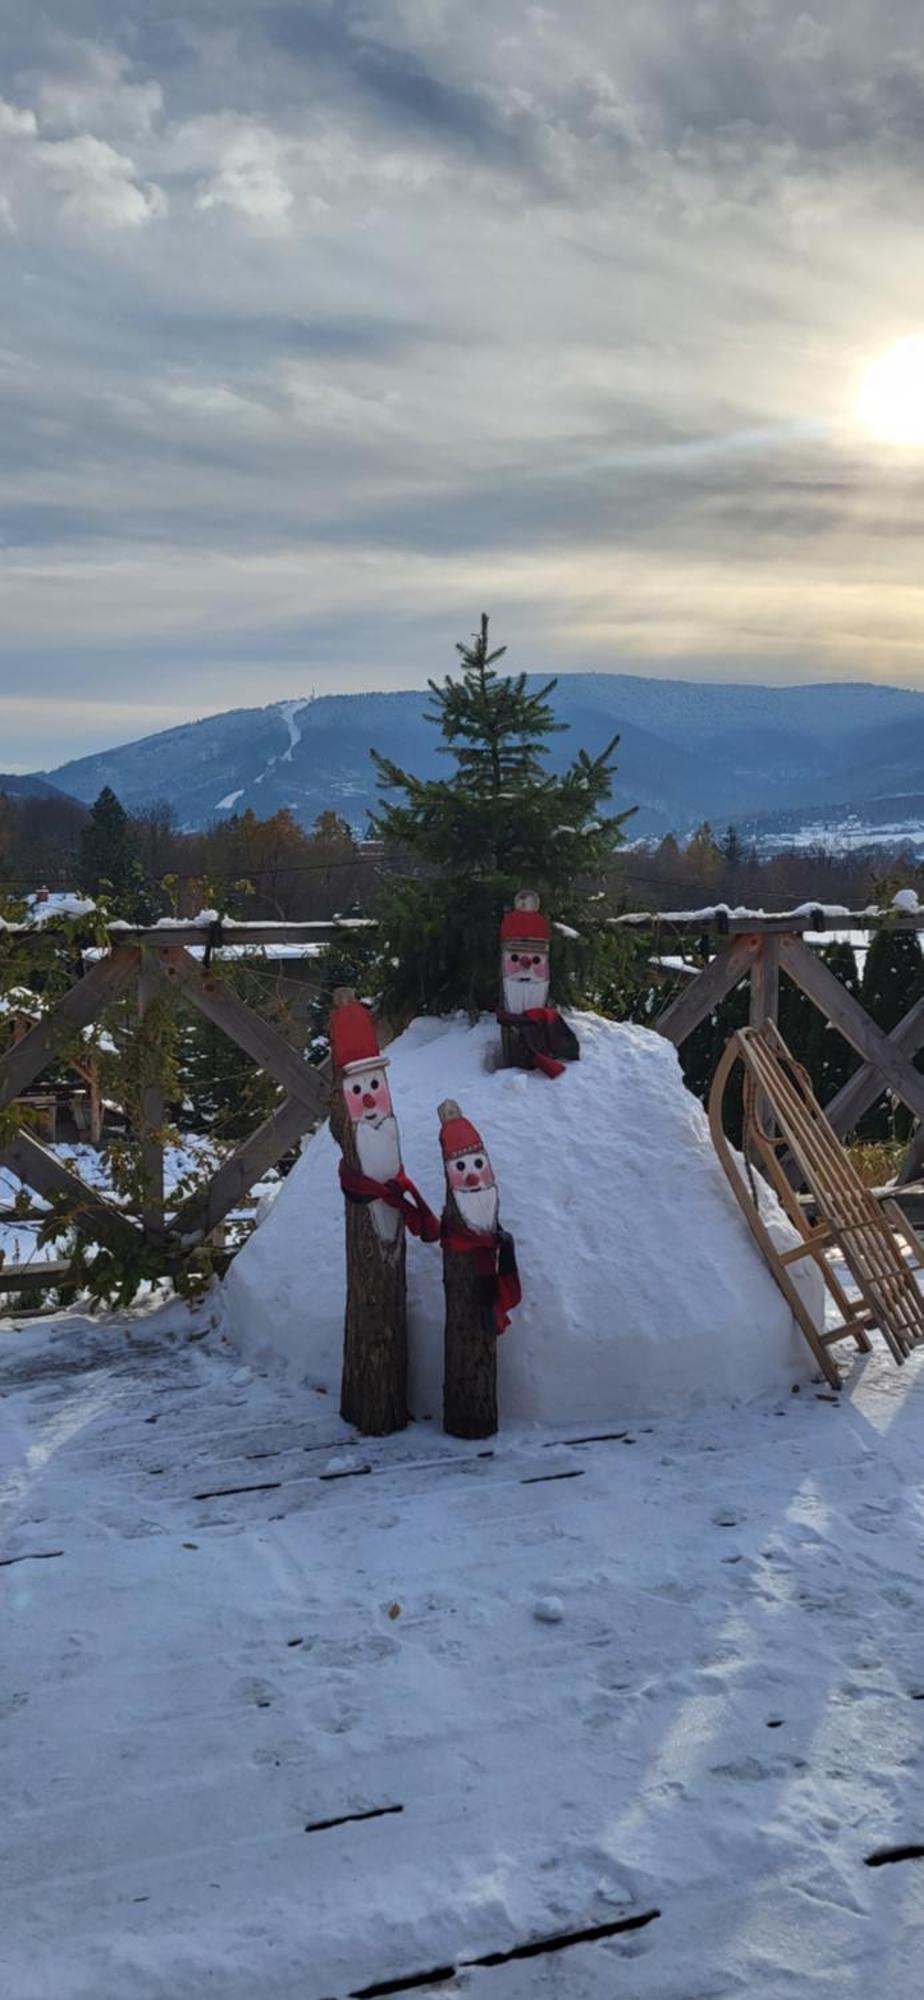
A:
[781,1114]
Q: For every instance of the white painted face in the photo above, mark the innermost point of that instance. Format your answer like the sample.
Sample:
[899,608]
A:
[367,1096]
[525,974]
[378,1146]
[471,1179]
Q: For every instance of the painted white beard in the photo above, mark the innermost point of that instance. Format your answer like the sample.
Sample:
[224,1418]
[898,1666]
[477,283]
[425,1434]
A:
[477,1207]
[522,993]
[379,1150]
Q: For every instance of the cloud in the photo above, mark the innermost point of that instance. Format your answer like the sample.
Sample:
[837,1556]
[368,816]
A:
[90,181]
[326,326]
[97,184]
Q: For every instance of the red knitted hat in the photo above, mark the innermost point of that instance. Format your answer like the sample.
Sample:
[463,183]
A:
[457,1134]
[525,920]
[354,1043]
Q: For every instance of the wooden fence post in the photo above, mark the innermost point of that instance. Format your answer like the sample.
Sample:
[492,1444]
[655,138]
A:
[150,992]
[765,1004]
[698,998]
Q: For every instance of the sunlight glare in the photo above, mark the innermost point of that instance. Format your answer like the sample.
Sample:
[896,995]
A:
[891,399]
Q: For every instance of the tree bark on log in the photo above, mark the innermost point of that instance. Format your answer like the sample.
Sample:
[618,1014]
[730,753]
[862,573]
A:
[514,1053]
[469,1353]
[373,1393]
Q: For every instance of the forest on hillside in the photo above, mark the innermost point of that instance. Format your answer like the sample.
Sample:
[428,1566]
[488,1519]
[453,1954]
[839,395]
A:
[272,869]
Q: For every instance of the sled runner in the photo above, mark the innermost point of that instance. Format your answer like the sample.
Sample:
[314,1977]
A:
[781,1114]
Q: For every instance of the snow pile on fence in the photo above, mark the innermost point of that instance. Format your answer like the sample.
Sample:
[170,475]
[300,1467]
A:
[642,1289]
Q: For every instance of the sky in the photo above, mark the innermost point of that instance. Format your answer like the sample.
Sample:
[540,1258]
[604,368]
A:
[325,327]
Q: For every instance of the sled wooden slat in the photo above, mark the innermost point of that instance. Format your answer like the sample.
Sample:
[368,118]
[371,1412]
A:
[876,1262]
[866,1231]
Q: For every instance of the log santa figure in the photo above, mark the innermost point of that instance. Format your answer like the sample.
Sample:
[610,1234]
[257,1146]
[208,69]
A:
[381,1202]
[533,1034]
[480,1279]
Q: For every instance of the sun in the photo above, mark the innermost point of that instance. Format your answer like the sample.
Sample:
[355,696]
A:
[891,398]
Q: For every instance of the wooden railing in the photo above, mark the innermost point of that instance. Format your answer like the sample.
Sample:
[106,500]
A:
[152,962]
[157,960]
[757,948]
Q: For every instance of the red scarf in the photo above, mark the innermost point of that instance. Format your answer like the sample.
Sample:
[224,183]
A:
[548,1064]
[399,1193]
[494,1259]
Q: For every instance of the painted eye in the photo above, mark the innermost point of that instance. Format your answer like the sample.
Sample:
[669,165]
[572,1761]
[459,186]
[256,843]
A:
[460,1166]
[357,1089]
[375,1085]
[479,1164]
[514,958]
[537,961]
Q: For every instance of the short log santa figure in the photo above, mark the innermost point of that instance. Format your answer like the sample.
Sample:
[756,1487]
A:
[480,1279]
[381,1203]
[533,1034]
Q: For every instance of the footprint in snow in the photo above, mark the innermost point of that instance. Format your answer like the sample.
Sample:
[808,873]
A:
[745,1769]
[256,1693]
[872,1520]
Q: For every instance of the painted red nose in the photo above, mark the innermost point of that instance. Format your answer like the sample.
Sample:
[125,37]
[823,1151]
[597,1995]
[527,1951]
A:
[369,1102]
[473,1180]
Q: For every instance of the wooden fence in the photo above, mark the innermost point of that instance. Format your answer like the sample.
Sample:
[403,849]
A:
[155,961]
[758,949]
[151,963]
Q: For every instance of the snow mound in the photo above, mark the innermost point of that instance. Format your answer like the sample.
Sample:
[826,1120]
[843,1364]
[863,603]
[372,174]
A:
[642,1288]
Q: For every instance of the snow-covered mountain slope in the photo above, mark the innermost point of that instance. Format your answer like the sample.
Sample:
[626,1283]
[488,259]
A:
[688,750]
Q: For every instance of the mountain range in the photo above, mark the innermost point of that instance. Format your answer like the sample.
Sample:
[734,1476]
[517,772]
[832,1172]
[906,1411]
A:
[20,785]
[689,750]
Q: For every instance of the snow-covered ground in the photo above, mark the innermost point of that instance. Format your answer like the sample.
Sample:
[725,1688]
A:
[291,1714]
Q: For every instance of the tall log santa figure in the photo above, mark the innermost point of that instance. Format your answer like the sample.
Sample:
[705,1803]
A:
[381,1202]
[480,1279]
[533,1034]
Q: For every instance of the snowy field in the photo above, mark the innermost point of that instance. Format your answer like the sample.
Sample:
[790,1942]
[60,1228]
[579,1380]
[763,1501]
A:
[280,1715]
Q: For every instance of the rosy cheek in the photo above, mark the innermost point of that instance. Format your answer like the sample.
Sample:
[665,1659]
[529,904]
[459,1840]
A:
[385,1104]
[354,1106]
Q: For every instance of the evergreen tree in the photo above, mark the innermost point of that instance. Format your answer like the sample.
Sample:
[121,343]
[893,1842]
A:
[732,848]
[109,859]
[893,979]
[702,856]
[502,820]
